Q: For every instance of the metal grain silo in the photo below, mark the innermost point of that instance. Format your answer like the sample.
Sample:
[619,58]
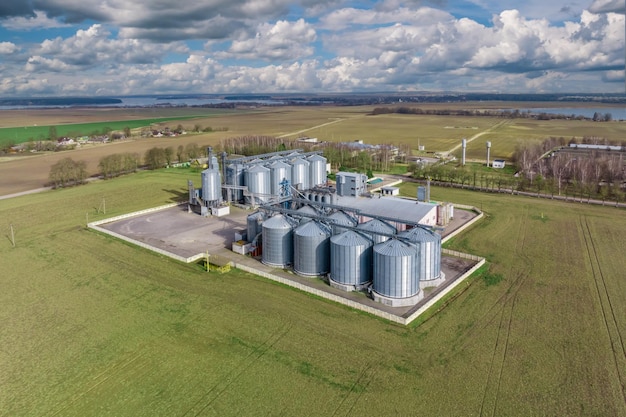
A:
[351,259]
[300,174]
[307,210]
[254,224]
[277,241]
[211,186]
[375,226]
[340,218]
[235,176]
[311,249]
[317,170]
[395,273]
[279,171]
[428,246]
[258,182]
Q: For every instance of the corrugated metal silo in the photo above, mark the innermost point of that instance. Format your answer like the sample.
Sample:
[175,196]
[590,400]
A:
[311,249]
[235,176]
[278,171]
[375,225]
[395,272]
[254,224]
[351,258]
[258,181]
[277,241]
[300,174]
[428,252]
[307,210]
[340,218]
[317,170]
[211,185]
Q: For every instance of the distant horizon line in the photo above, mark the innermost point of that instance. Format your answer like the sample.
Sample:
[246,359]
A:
[315,94]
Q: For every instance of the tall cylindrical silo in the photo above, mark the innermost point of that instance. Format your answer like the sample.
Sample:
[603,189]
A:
[277,241]
[258,182]
[340,218]
[317,170]
[235,176]
[395,273]
[254,224]
[279,171]
[351,259]
[211,186]
[375,226]
[300,174]
[311,249]
[428,246]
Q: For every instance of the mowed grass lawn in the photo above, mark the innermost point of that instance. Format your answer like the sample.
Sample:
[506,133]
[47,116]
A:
[94,326]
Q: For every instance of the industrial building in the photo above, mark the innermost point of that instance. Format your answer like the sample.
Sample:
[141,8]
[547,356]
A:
[354,239]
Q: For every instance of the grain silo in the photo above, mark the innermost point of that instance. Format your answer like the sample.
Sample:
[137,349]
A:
[300,174]
[235,176]
[254,224]
[317,170]
[311,249]
[428,246]
[277,241]
[395,273]
[279,171]
[340,218]
[375,226]
[350,260]
[211,187]
[307,210]
[258,182]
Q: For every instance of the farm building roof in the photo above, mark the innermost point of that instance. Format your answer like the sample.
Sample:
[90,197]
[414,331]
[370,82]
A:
[407,211]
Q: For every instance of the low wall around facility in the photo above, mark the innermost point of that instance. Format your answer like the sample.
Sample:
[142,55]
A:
[368,309]
[96,226]
[323,294]
[445,291]
[466,225]
[133,214]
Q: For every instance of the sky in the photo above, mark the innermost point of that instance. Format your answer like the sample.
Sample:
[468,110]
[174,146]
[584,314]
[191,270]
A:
[122,47]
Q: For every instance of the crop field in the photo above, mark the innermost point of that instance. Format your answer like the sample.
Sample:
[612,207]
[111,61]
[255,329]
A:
[17,135]
[95,326]
[331,123]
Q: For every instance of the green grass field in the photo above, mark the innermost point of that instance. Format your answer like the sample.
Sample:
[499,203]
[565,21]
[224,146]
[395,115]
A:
[94,326]
[328,123]
[18,135]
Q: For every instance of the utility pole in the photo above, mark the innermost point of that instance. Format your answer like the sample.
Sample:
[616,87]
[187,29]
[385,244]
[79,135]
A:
[208,265]
[12,235]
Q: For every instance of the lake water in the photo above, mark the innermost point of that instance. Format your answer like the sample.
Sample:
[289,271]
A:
[150,101]
[617,112]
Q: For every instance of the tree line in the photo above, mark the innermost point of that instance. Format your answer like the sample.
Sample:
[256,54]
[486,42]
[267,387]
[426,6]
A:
[68,172]
[508,114]
[548,167]
[556,167]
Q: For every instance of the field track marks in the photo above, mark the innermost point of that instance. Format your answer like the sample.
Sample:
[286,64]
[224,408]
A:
[479,134]
[500,349]
[364,379]
[606,306]
[316,127]
[112,371]
[221,386]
